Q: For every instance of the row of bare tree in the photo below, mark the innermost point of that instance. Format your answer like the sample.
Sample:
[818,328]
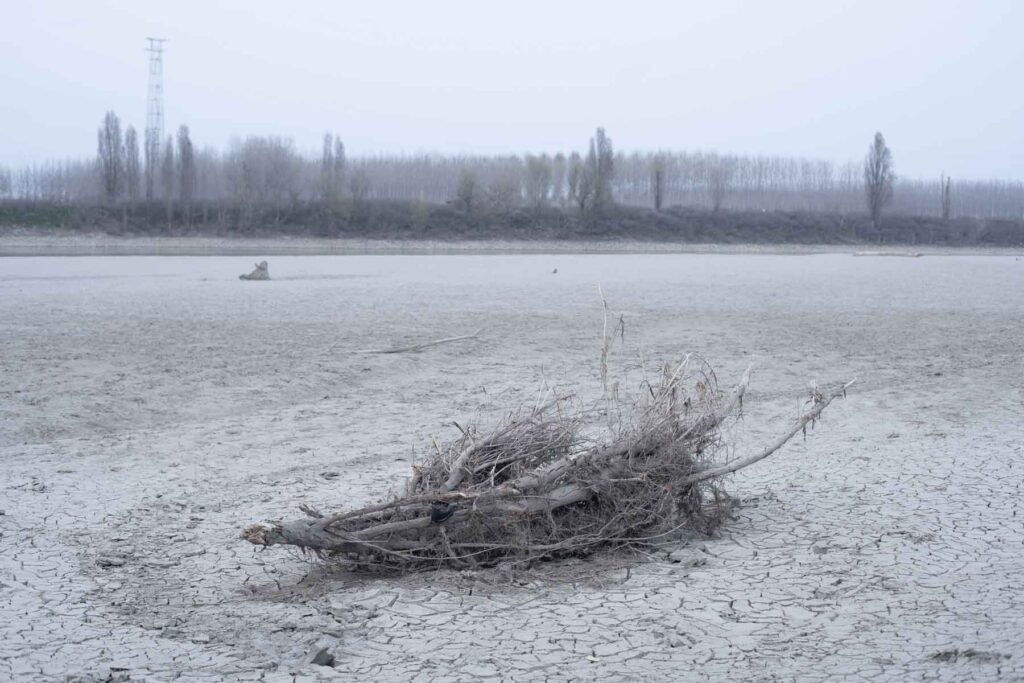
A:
[262,171]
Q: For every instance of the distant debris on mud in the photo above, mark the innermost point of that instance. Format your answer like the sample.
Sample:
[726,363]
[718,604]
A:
[261,272]
[908,254]
[969,654]
[110,561]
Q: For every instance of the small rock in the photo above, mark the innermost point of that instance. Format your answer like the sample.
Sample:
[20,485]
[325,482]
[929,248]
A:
[201,638]
[162,564]
[677,641]
[330,475]
[688,558]
[107,561]
[323,658]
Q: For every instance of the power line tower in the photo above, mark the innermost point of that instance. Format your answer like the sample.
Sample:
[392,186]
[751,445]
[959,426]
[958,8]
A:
[154,111]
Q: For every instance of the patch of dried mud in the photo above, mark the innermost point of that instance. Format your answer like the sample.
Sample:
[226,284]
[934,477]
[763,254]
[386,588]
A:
[146,419]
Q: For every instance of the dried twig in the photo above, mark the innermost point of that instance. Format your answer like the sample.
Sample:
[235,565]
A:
[424,345]
[604,342]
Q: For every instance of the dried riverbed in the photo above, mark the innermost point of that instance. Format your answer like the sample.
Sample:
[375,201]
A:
[152,406]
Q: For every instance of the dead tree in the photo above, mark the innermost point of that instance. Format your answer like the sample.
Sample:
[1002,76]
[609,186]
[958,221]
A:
[946,188]
[878,178]
[535,487]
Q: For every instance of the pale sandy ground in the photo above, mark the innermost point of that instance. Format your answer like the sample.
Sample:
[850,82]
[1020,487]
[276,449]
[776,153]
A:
[152,406]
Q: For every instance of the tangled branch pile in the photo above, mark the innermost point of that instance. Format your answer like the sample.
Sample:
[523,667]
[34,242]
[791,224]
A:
[536,487]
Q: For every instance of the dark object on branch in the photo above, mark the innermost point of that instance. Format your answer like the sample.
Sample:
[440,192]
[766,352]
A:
[535,487]
[441,511]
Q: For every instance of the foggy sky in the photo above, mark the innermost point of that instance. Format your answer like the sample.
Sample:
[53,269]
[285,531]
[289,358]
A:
[815,78]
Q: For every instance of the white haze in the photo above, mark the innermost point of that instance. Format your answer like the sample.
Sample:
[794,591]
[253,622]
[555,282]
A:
[810,79]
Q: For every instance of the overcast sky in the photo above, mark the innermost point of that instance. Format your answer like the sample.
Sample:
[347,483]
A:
[944,81]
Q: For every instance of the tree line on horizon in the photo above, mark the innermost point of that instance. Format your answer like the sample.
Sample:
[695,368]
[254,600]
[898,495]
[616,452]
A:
[268,171]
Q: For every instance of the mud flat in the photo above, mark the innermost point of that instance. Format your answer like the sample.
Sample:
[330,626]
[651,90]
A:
[41,242]
[152,406]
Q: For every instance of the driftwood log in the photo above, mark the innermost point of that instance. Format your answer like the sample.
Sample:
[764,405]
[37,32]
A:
[261,271]
[537,487]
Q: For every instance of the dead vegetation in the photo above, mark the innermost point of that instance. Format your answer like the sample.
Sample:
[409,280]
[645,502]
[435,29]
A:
[546,482]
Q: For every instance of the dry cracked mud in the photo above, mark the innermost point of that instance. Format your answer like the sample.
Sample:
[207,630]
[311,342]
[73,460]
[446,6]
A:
[151,407]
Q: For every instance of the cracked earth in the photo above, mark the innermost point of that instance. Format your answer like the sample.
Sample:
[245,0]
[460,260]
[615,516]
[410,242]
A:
[150,407]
